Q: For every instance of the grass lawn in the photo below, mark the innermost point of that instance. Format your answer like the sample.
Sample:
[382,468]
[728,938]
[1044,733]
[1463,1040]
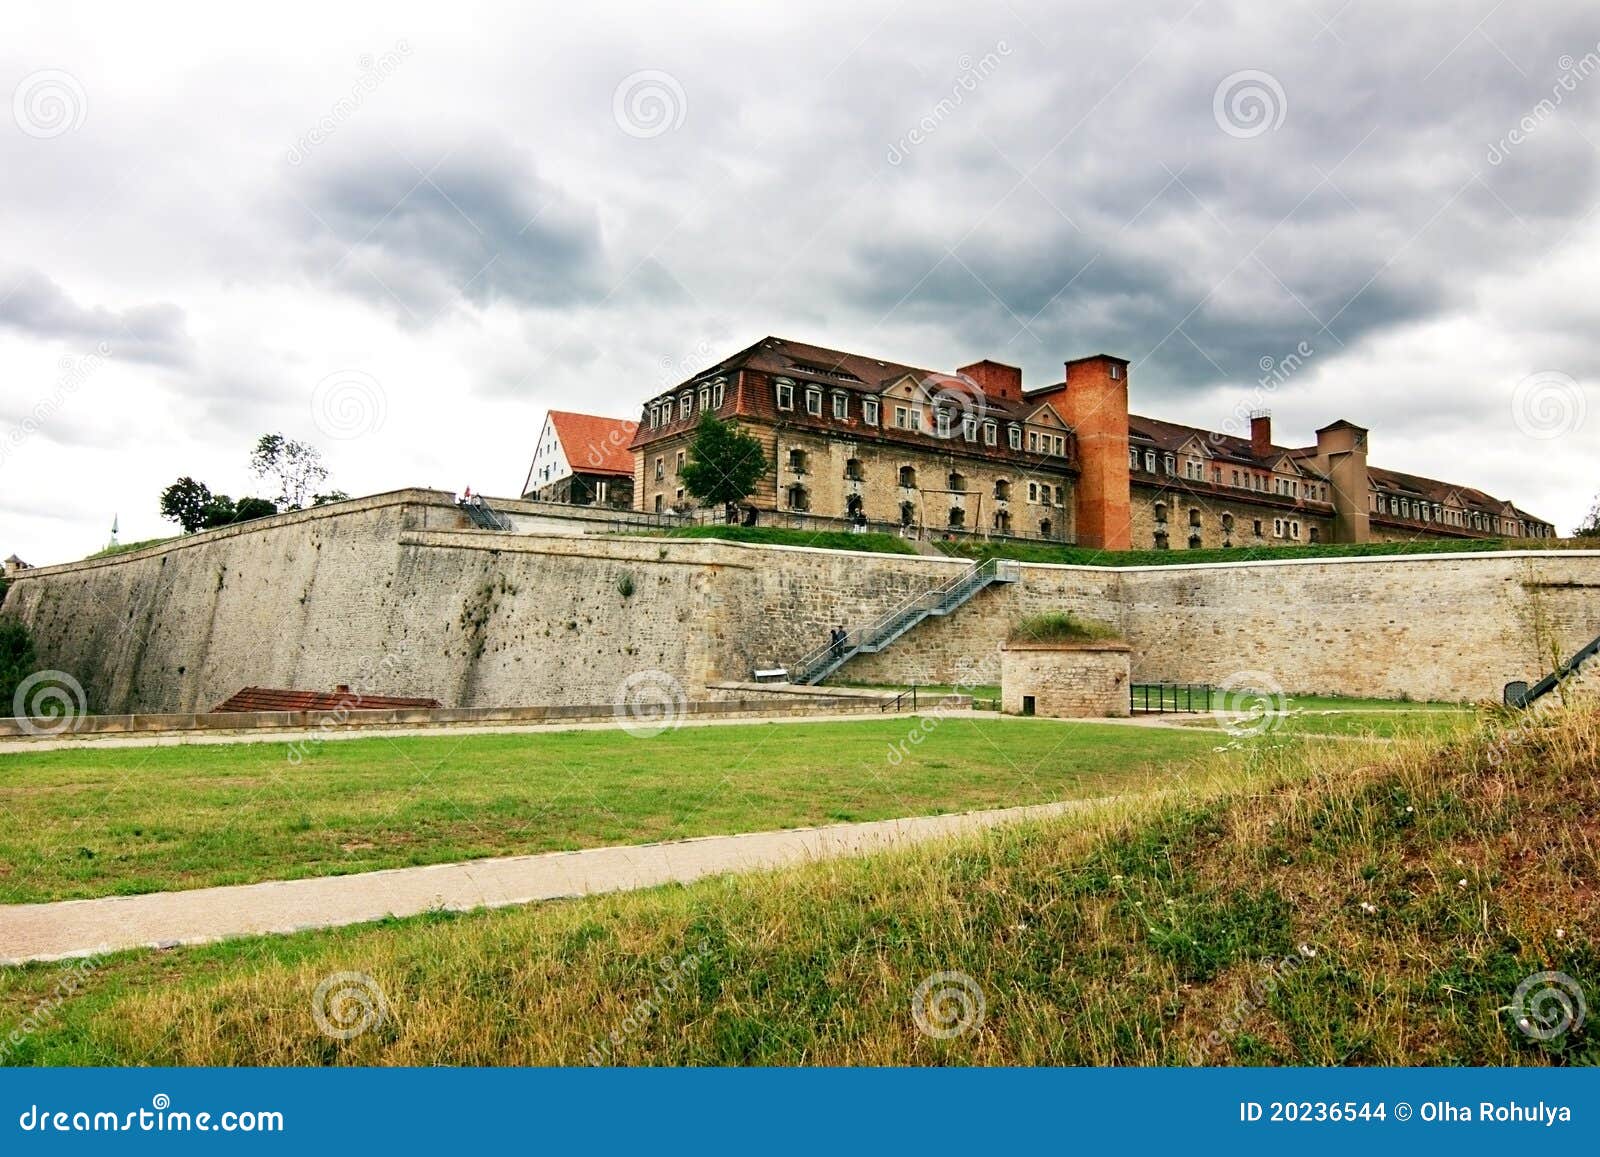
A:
[1304,905]
[93,822]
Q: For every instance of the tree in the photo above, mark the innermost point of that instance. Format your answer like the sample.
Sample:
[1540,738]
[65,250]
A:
[330,496]
[17,660]
[1591,525]
[296,466]
[248,508]
[725,463]
[186,502]
[220,511]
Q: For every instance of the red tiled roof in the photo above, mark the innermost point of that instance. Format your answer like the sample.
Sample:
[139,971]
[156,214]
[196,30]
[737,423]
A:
[277,699]
[595,445]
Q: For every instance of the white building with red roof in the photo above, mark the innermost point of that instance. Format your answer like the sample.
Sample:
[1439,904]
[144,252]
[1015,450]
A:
[583,460]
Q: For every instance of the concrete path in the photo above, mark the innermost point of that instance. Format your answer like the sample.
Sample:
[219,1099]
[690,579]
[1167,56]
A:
[164,919]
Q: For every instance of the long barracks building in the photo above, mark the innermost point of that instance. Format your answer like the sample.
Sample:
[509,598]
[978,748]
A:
[855,438]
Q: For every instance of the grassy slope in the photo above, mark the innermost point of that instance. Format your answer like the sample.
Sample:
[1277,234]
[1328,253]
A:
[1414,893]
[91,822]
[1086,556]
[781,536]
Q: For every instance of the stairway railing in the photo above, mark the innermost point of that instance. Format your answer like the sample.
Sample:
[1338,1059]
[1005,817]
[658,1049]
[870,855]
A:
[1521,695]
[939,599]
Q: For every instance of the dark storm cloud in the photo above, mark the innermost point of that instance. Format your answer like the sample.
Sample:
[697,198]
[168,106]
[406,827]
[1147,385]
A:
[33,305]
[477,225]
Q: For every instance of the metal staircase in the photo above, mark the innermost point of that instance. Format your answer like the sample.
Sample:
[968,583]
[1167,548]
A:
[1521,695]
[884,630]
[484,516]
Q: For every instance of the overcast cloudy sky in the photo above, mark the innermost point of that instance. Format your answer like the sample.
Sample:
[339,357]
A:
[403,231]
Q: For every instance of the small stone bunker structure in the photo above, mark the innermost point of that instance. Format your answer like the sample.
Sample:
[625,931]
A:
[1063,668]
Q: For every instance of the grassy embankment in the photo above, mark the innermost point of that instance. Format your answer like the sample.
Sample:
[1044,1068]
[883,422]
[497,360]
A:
[94,821]
[1311,904]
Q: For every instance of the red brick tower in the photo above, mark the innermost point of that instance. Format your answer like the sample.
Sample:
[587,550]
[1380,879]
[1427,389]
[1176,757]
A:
[1095,403]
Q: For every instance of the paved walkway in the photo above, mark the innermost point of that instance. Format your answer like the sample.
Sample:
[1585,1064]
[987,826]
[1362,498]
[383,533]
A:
[164,919]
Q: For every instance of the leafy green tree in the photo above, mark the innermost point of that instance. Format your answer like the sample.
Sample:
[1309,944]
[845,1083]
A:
[295,466]
[1591,525]
[220,511]
[248,508]
[186,503]
[725,463]
[330,496]
[17,660]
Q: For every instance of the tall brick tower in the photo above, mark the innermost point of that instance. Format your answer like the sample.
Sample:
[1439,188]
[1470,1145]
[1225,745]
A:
[1095,403]
[1342,453]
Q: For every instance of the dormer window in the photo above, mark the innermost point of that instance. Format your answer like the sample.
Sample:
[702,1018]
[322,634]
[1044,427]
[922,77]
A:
[1171,463]
[685,404]
[785,395]
[1014,436]
[991,433]
[841,406]
[705,398]
[942,423]
[969,429]
[869,411]
[814,402]
[717,388]
[1149,461]
[1133,459]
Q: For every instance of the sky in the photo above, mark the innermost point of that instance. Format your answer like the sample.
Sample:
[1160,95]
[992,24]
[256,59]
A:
[402,232]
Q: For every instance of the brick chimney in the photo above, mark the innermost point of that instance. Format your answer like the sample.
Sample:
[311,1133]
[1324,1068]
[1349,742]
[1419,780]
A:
[1261,433]
[995,379]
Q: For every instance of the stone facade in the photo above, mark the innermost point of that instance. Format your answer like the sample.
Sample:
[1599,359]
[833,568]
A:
[1065,680]
[397,595]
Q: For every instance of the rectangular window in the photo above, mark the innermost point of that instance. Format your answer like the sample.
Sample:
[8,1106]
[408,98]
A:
[941,420]
[1150,461]
[785,396]
[685,405]
[1033,492]
[1061,446]
[661,469]
[901,420]
[841,407]
[814,403]
[1170,463]
[969,429]
[705,398]
[1014,434]
[1116,373]
[916,418]
[1033,440]
[1236,478]
[991,433]
[716,394]
[680,461]
[869,411]
[1133,459]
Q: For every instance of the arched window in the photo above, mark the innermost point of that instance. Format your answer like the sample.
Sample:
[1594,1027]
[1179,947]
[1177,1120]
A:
[799,498]
[958,482]
[1161,512]
[1002,521]
[908,477]
[1227,522]
[852,470]
[1194,516]
[797,461]
[958,517]
[1045,527]
[908,513]
[852,505]
[1002,490]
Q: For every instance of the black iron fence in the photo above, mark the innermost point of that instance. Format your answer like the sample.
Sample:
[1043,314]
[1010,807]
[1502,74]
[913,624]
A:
[1169,698]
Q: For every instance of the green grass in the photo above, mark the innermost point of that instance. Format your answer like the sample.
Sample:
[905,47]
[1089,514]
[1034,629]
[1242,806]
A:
[1310,906]
[98,821]
[125,547]
[781,536]
[1086,556]
[1060,626]
[1383,725]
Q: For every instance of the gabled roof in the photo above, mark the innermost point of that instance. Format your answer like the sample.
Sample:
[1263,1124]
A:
[1430,488]
[278,699]
[1171,437]
[595,445]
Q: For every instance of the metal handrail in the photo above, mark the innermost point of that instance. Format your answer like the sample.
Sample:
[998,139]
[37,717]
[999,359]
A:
[923,602]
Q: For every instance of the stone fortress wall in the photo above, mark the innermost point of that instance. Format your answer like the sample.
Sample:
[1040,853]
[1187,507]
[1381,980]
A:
[397,594]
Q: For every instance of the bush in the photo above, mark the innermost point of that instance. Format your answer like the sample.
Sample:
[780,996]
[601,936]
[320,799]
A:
[1060,626]
[17,660]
